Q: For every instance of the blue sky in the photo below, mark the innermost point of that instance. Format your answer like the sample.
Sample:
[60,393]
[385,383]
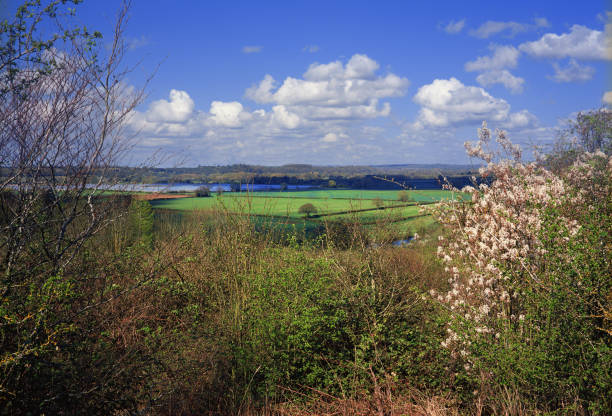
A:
[356,82]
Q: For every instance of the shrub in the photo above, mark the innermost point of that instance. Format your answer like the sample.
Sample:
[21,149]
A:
[202,191]
[529,266]
[404,196]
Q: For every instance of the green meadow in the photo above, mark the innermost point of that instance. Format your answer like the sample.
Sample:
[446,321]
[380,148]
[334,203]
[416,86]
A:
[381,214]
[329,203]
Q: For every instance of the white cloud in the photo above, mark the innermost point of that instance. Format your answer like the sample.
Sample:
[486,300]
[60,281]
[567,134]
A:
[261,92]
[330,138]
[361,67]
[492,27]
[580,43]
[252,49]
[333,86]
[541,22]
[310,48]
[449,103]
[519,120]
[607,98]
[298,116]
[177,110]
[503,57]
[572,72]
[284,118]
[228,114]
[137,42]
[323,72]
[454,27]
[493,70]
[504,77]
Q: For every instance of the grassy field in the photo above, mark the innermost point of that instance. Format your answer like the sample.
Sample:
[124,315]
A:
[286,204]
[401,218]
[419,196]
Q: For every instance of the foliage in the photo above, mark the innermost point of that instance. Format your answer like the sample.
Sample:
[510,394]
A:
[591,131]
[141,222]
[529,266]
[62,105]
[202,191]
[403,196]
[307,209]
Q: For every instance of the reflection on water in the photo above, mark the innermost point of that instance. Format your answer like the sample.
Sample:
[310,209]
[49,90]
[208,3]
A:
[401,243]
[190,187]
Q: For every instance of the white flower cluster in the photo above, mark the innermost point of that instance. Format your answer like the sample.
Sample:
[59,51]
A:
[492,240]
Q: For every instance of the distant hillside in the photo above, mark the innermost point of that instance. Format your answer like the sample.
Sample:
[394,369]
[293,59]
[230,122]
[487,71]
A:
[292,173]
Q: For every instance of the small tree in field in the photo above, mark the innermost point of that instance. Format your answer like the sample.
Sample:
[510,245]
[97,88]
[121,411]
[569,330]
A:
[404,196]
[202,191]
[307,209]
[379,203]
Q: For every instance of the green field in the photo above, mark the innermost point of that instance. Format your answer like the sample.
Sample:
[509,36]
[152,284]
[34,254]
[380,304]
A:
[286,206]
[403,218]
[419,196]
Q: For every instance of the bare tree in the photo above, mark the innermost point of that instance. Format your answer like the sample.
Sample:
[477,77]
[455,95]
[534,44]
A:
[61,134]
[63,107]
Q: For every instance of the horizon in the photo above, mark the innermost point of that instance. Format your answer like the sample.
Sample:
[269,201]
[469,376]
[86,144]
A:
[349,84]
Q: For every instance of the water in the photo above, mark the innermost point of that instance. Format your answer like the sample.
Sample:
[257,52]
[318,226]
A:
[402,243]
[214,187]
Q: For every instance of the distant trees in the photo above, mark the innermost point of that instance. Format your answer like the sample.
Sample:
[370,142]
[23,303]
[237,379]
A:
[202,191]
[331,183]
[307,209]
[590,131]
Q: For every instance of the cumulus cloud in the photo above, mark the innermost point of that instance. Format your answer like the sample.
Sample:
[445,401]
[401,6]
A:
[177,110]
[503,56]
[519,120]
[493,70]
[454,27]
[449,103]
[607,98]
[580,43]
[284,118]
[252,49]
[511,29]
[330,138]
[333,89]
[228,114]
[513,83]
[329,100]
[572,72]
